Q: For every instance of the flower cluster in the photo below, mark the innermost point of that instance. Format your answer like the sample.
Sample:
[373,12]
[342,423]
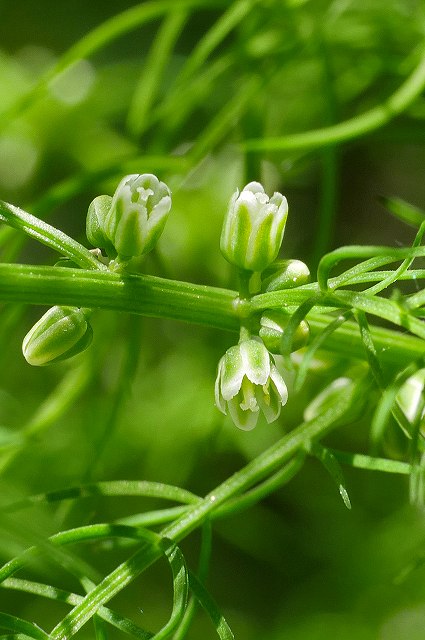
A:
[128,224]
[125,225]
[248,381]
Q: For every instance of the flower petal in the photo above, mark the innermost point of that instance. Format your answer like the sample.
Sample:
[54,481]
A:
[245,420]
[256,360]
[273,396]
[232,373]
[279,384]
[219,401]
[255,187]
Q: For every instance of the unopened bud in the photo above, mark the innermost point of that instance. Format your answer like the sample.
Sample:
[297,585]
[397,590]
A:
[285,274]
[95,224]
[273,324]
[253,228]
[138,212]
[61,333]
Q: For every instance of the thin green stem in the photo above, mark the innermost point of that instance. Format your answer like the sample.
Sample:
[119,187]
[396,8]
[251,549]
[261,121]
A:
[329,159]
[263,466]
[371,463]
[48,235]
[377,254]
[214,37]
[153,68]
[352,128]
[95,40]
[394,348]
[59,595]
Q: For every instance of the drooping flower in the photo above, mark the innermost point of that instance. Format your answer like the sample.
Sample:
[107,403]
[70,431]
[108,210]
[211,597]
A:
[61,333]
[248,382]
[137,215]
[253,228]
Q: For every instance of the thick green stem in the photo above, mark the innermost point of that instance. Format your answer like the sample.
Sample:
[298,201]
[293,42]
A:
[146,295]
[199,304]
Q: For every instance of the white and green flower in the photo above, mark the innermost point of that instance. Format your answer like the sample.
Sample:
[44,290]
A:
[253,228]
[137,214]
[248,382]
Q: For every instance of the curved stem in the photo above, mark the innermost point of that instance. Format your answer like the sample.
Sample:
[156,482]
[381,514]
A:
[258,469]
[352,128]
[95,40]
[48,235]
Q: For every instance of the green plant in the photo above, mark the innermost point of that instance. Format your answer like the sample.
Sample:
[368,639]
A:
[333,385]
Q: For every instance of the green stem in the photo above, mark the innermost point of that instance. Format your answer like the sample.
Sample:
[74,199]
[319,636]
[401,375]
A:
[146,295]
[352,128]
[48,235]
[261,467]
[94,41]
[377,254]
[200,304]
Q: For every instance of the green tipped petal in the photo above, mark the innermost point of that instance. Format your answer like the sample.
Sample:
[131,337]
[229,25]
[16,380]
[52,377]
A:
[137,215]
[253,228]
[61,333]
[248,383]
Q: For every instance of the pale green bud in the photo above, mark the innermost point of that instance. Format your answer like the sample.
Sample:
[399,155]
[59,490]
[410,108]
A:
[139,210]
[60,333]
[411,396]
[273,324]
[327,398]
[248,382]
[253,228]
[285,274]
[95,224]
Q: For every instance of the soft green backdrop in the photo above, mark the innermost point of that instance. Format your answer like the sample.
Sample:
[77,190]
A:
[180,96]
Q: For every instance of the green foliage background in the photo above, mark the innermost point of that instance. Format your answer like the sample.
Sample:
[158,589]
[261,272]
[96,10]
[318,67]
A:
[168,98]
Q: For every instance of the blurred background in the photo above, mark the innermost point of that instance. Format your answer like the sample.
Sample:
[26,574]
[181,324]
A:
[179,95]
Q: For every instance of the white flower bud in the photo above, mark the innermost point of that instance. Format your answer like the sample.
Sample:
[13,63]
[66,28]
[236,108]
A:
[253,228]
[139,210]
